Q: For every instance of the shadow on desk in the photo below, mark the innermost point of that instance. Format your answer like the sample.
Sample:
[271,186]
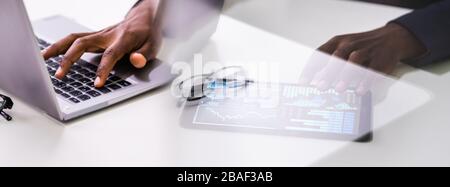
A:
[439,69]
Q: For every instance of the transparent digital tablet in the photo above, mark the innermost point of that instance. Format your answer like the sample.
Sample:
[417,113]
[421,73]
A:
[284,109]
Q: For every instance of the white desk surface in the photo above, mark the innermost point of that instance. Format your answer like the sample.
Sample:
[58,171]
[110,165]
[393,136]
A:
[145,131]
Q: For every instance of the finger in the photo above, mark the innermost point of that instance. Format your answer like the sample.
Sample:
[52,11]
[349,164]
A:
[318,60]
[330,46]
[140,57]
[352,72]
[351,76]
[362,78]
[74,53]
[109,59]
[147,52]
[62,45]
[383,64]
[333,69]
[138,60]
[359,57]
[366,84]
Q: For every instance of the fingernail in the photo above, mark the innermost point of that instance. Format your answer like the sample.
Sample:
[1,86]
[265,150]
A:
[59,72]
[361,91]
[341,86]
[98,82]
[138,60]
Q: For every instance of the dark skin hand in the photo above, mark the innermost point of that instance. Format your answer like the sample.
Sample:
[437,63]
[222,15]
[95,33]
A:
[380,50]
[138,35]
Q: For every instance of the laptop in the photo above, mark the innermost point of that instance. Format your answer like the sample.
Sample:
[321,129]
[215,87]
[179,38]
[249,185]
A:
[25,74]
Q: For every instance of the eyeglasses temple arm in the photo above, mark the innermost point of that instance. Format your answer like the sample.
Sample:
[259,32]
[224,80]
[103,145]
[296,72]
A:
[6,116]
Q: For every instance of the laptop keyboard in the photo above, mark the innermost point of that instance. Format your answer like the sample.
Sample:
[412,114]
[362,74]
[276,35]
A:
[78,85]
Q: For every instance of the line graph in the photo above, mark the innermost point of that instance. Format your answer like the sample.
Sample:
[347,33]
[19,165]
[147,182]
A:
[249,114]
[300,108]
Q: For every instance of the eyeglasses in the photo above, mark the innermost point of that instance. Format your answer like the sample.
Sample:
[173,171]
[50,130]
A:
[198,87]
[5,103]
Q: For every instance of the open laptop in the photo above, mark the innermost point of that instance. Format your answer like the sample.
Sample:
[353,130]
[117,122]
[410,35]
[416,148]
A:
[25,74]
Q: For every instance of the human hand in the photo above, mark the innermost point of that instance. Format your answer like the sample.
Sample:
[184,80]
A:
[380,50]
[138,35]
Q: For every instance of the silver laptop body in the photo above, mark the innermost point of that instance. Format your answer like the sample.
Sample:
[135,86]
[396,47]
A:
[25,75]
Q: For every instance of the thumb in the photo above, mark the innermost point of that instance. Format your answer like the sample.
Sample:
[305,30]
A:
[138,60]
[140,57]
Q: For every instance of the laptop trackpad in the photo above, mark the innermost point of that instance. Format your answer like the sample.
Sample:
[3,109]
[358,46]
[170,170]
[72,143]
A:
[54,28]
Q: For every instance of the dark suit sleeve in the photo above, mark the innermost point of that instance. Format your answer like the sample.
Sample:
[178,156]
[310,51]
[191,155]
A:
[431,25]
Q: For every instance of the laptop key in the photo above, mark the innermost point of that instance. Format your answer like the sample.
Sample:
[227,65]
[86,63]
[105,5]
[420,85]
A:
[83,71]
[54,81]
[124,83]
[71,72]
[91,75]
[58,91]
[76,93]
[77,76]
[68,89]
[93,93]
[91,67]
[103,90]
[60,85]
[90,84]
[65,95]
[67,80]
[114,86]
[53,65]
[52,72]
[40,41]
[74,100]
[114,78]
[84,97]
[76,84]
[76,67]
[84,89]
[58,59]
[85,81]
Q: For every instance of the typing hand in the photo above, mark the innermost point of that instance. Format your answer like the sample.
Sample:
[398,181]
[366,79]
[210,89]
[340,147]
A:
[137,35]
[380,50]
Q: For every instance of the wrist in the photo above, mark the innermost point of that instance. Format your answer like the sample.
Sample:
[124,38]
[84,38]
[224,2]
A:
[144,9]
[409,45]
